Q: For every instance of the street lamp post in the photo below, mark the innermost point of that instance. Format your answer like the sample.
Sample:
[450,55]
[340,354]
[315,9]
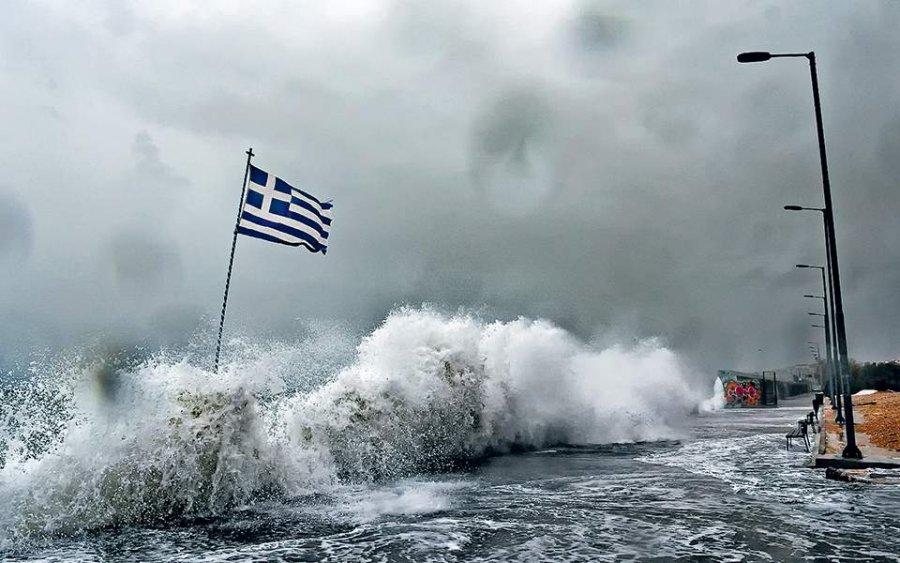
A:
[828,366]
[814,354]
[838,384]
[819,365]
[814,350]
[814,346]
[851,450]
[839,417]
[829,308]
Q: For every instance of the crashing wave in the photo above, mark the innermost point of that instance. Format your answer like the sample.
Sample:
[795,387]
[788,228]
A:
[426,392]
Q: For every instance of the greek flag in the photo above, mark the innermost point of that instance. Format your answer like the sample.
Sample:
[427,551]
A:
[274,210]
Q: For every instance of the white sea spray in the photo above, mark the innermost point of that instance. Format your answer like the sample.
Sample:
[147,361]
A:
[426,392]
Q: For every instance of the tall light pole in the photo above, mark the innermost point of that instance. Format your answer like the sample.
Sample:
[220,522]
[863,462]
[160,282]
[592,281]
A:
[828,365]
[838,385]
[851,450]
[829,308]
[819,359]
[814,350]
[839,418]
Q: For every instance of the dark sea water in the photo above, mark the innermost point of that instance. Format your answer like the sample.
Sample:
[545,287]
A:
[729,492]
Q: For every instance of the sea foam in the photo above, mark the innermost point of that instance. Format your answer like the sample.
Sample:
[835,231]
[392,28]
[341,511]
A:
[425,392]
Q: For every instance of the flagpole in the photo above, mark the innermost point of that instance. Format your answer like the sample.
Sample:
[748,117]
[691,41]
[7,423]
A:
[231,258]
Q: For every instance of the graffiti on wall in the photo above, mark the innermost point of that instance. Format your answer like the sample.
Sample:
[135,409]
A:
[740,390]
[742,393]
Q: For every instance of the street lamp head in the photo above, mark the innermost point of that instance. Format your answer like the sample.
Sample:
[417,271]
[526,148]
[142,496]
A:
[811,296]
[804,266]
[801,208]
[754,57]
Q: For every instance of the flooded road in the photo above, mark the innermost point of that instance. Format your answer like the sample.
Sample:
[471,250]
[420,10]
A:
[729,493]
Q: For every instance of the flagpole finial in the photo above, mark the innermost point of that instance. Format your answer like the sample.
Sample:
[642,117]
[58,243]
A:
[249,152]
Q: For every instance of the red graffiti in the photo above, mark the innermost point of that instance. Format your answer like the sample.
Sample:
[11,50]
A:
[742,394]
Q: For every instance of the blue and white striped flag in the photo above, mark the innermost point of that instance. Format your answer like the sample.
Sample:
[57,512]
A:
[274,210]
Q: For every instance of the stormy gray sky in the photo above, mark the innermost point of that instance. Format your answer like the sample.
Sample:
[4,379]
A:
[605,165]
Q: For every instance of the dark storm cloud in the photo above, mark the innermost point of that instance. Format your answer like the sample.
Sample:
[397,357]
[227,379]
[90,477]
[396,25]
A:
[511,162]
[607,165]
